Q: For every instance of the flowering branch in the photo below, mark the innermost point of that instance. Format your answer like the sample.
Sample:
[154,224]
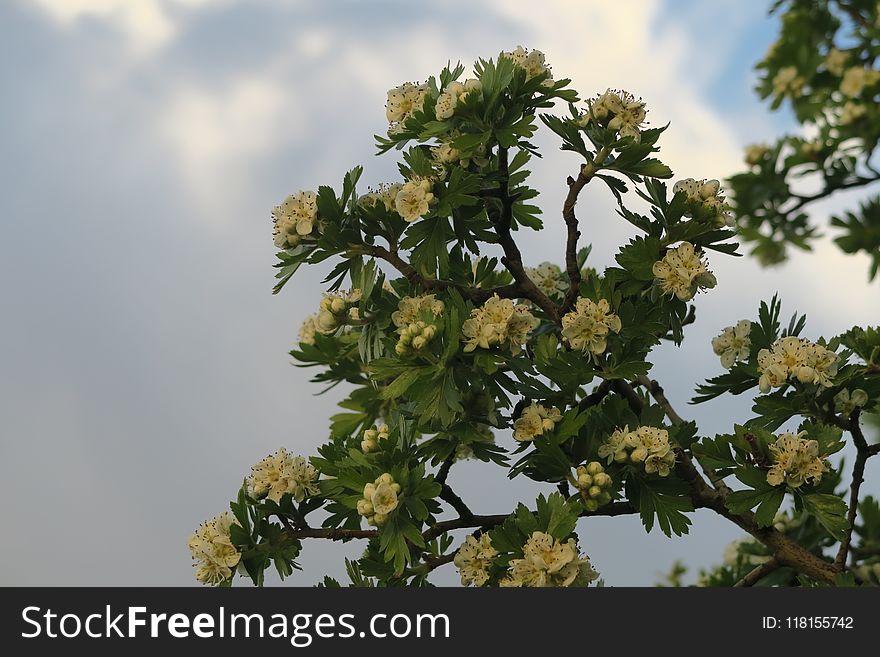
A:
[611,509]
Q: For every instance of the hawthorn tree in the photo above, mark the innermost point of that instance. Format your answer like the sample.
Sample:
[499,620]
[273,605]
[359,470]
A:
[447,348]
[824,65]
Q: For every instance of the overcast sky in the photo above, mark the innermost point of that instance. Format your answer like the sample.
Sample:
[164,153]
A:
[144,361]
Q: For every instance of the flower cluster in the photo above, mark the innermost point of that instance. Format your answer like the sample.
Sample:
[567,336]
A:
[835,61]
[386,194]
[294,219]
[845,402]
[795,461]
[372,436]
[547,562]
[755,153]
[705,200]
[856,79]
[307,330]
[281,473]
[415,319]
[788,82]
[454,93]
[733,343]
[594,484]
[532,62]
[683,272]
[414,199]
[622,111]
[380,499]
[473,560]
[792,358]
[498,322]
[648,445]
[534,421]
[586,327]
[403,102]
[212,550]
[548,278]
[852,112]
[336,309]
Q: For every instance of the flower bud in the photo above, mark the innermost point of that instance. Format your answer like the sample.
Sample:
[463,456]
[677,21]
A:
[591,505]
[584,481]
[400,348]
[380,518]
[418,342]
[805,374]
[337,306]
[858,397]
[395,487]
[364,507]
[369,490]
[385,478]
[638,455]
[594,491]
[594,467]
[602,480]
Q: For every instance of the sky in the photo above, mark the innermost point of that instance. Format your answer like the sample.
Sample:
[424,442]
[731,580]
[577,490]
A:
[144,361]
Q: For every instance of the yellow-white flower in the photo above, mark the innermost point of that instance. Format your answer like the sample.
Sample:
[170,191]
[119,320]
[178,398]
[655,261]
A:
[733,344]
[835,61]
[548,278]
[414,199]
[683,271]
[788,82]
[372,436]
[547,562]
[416,322]
[386,194]
[534,421]
[845,402]
[796,461]
[498,322]
[281,473]
[622,111]
[755,153]
[856,79]
[533,62]
[705,197]
[795,359]
[307,330]
[380,499]
[212,550]
[403,102]
[294,219]
[336,309]
[646,444]
[586,327]
[851,112]
[473,560]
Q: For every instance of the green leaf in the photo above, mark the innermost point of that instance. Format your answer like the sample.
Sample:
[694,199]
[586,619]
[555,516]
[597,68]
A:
[830,511]
[667,500]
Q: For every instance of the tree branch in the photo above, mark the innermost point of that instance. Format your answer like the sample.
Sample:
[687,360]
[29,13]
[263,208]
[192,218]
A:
[475,294]
[438,529]
[595,397]
[512,258]
[575,185]
[863,453]
[754,576]
[660,397]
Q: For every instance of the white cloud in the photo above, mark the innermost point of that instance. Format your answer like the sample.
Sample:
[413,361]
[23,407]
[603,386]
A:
[217,134]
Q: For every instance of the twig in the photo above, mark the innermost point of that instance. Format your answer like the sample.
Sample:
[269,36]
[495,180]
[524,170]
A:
[863,453]
[595,397]
[452,499]
[575,185]
[512,258]
[438,529]
[754,576]
[659,396]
